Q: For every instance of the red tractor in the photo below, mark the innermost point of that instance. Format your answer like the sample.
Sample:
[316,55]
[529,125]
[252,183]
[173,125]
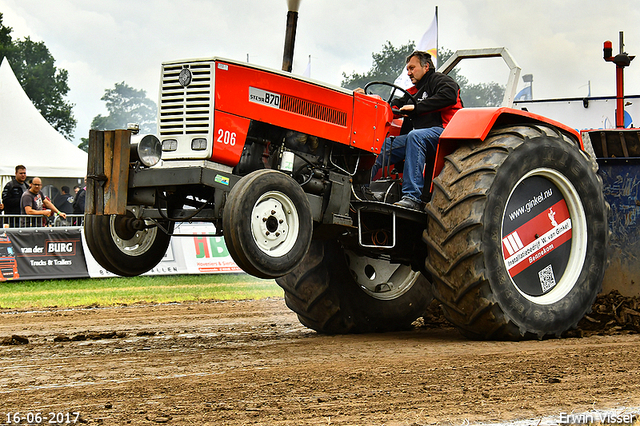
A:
[512,242]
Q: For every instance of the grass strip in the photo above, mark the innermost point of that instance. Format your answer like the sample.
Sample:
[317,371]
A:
[125,291]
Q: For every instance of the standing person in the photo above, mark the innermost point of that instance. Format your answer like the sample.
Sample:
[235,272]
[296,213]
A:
[33,201]
[64,201]
[12,193]
[78,203]
[438,99]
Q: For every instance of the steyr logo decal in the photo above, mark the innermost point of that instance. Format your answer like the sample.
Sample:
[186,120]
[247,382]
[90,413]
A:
[263,97]
[185,77]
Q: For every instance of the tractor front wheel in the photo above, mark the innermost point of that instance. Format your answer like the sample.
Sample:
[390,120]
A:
[122,248]
[267,223]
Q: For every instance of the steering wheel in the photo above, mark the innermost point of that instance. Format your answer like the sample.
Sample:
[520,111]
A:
[395,87]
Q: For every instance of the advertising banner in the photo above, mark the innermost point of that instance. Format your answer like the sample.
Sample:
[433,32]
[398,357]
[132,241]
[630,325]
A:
[8,264]
[48,253]
[57,252]
[204,253]
[201,253]
[171,264]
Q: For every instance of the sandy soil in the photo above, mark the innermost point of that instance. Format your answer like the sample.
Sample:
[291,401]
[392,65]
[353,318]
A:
[251,362]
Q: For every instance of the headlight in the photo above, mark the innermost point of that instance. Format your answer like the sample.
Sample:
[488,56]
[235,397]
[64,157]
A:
[148,150]
[199,144]
[169,145]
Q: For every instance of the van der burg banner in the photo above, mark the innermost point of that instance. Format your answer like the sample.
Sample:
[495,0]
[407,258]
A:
[51,253]
[44,254]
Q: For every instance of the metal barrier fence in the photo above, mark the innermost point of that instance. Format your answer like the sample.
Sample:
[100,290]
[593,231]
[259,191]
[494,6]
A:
[38,221]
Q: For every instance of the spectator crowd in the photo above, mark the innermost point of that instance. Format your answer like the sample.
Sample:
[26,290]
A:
[22,197]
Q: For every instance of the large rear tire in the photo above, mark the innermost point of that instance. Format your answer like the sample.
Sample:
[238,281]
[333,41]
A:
[121,250]
[337,291]
[517,234]
[267,223]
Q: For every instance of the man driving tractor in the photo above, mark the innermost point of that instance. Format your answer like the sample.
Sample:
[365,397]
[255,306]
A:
[437,98]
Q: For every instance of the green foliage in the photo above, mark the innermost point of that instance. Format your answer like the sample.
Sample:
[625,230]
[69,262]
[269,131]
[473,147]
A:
[390,62]
[473,95]
[6,44]
[387,66]
[42,81]
[84,145]
[127,105]
[482,94]
[443,55]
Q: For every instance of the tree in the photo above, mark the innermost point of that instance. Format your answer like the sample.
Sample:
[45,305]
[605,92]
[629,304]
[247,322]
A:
[127,105]
[42,81]
[6,44]
[84,145]
[482,94]
[474,95]
[387,66]
[391,61]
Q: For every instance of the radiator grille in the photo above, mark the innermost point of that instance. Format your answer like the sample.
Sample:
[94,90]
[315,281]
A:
[186,110]
[314,110]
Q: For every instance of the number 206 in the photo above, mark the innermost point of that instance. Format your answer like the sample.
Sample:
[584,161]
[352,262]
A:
[226,137]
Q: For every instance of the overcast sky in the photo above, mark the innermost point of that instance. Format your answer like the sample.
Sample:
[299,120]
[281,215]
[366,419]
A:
[104,42]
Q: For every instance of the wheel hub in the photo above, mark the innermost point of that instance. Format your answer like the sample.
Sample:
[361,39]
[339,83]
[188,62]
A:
[274,223]
[128,239]
[380,278]
[126,227]
[542,236]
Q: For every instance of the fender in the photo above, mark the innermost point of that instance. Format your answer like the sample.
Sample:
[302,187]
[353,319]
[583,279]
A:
[476,123]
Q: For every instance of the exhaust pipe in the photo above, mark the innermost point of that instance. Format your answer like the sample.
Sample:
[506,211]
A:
[290,35]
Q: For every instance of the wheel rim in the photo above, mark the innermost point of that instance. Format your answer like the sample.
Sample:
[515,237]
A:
[139,243]
[543,236]
[275,223]
[379,278]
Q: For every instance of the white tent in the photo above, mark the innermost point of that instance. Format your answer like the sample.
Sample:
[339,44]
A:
[27,138]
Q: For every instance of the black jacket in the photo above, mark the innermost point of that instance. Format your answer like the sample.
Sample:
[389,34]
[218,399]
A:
[64,202]
[78,202]
[11,195]
[438,97]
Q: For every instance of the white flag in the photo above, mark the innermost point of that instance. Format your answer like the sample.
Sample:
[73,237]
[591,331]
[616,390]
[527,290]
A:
[307,71]
[428,43]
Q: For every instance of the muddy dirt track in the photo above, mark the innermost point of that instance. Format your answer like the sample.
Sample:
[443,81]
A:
[251,362]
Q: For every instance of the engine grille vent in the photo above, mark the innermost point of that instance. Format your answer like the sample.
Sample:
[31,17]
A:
[186,110]
[314,110]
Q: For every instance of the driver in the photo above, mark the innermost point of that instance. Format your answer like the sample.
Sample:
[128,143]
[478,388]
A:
[438,98]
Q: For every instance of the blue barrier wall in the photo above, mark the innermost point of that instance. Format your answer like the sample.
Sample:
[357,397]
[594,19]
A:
[621,181]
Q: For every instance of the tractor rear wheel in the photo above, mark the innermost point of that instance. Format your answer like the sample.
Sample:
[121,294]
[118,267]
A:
[337,291]
[516,234]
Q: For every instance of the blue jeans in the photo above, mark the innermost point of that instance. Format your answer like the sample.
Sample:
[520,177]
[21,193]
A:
[414,148]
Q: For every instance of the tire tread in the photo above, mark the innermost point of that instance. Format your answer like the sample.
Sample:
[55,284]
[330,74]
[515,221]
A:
[454,234]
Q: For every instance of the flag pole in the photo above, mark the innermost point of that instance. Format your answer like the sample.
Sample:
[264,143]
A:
[437,31]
